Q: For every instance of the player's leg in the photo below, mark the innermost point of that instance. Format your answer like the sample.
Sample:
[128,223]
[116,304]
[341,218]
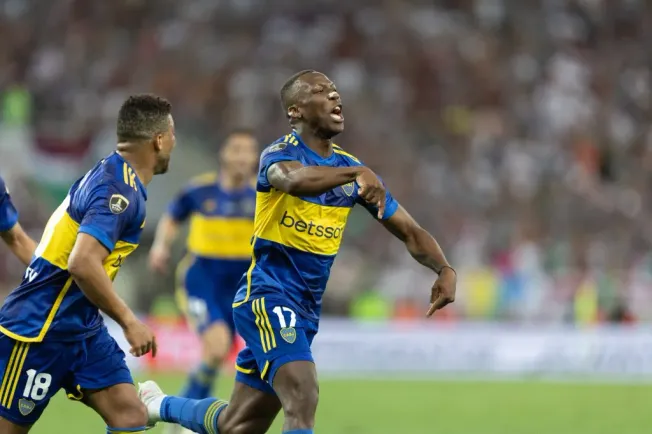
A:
[31,374]
[199,299]
[250,410]
[273,341]
[296,385]
[102,381]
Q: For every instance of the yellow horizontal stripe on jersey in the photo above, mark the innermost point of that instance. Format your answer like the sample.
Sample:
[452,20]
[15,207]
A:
[220,237]
[114,261]
[58,237]
[48,321]
[296,223]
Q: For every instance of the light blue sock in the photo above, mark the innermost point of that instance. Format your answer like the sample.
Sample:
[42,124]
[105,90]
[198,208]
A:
[197,415]
[200,382]
[299,431]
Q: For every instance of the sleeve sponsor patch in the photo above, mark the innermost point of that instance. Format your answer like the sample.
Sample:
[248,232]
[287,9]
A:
[118,204]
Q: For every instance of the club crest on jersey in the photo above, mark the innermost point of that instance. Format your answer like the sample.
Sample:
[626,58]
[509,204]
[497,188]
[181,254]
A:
[209,205]
[118,204]
[25,406]
[289,334]
[277,147]
[348,188]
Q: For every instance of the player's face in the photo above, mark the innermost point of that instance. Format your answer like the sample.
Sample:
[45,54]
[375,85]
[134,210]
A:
[239,155]
[321,105]
[166,143]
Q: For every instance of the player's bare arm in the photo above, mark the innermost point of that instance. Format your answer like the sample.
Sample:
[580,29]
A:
[294,178]
[85,264]
[19,243]
[424,248]
[166,233]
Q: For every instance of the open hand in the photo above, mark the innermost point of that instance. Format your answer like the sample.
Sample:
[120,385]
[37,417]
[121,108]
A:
[372,190]
[443,290]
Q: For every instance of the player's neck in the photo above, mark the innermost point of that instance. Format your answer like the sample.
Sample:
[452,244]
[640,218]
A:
[141,165]
[323,147]
[231,181]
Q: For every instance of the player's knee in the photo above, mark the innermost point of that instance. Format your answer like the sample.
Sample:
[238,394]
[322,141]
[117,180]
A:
[216,343]
[133,416]
[300,398]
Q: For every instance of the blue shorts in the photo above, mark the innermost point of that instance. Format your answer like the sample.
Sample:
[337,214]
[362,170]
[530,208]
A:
[32,373]
[207,289]
[275,334]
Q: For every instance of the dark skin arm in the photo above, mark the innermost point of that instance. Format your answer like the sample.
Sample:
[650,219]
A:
[294,178]
[425,249]
[20,243]
[85,265]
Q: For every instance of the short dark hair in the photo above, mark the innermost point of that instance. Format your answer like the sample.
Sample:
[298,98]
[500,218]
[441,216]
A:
[288,91]
[142,117]
[244,131]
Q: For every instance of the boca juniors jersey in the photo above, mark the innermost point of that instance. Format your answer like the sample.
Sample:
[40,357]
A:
[221,220]
[296,239]
[108,203]
[8,213]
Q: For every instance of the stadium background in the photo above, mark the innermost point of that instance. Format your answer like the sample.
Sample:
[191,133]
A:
[518,132]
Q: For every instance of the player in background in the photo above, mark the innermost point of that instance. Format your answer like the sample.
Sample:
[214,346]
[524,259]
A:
[220,207]
[11,231]
[306,188]
[52,335]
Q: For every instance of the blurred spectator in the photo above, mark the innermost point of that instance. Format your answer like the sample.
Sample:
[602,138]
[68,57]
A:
[518,132]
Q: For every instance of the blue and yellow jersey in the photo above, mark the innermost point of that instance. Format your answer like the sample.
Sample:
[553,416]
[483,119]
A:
[221,220]
[8,213]
[296,238]
[108,203]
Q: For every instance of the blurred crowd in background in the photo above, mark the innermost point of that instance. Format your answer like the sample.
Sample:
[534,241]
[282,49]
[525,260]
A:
[518,132]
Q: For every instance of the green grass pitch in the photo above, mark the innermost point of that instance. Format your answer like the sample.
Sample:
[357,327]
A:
[427,407]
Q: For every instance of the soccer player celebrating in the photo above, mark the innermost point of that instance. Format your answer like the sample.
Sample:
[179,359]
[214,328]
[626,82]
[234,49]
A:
[306,188]
[11,231]
[221,212]
[52,335]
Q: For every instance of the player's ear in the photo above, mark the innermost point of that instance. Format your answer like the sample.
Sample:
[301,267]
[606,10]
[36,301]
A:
[158,143]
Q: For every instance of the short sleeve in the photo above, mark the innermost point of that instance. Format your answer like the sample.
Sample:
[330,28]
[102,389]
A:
[271,155]
[391,205]
[8,213]
[108,211]
[181,206]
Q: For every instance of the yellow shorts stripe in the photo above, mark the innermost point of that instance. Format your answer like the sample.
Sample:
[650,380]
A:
[267,323]
[12,373]
[265,369]
[243,370]
[7,373]
[264,334]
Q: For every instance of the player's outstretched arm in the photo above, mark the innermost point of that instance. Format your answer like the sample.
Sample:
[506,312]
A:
[166,233]
[424,248]
[19,243]
[294,178]
[85,265]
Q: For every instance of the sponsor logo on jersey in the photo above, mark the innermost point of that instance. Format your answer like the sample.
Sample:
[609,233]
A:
[310,228]
[118,204]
